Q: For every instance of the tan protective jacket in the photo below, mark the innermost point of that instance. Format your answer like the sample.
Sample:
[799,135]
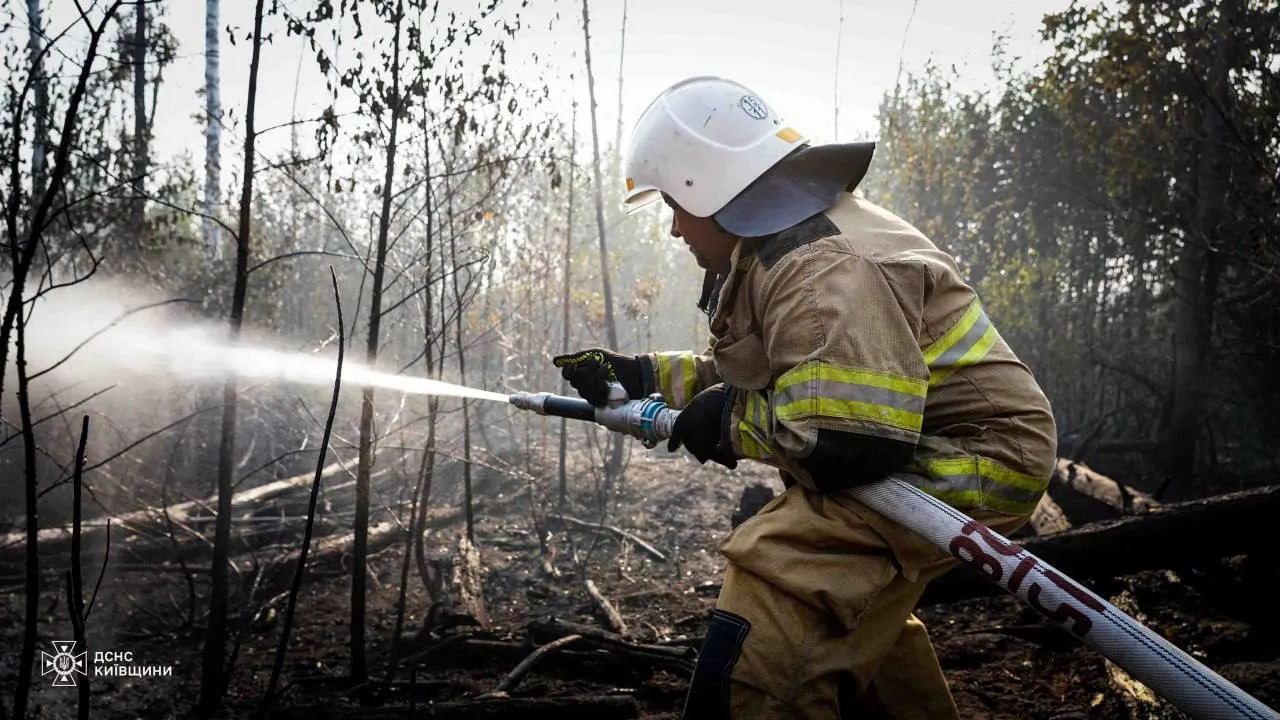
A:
[854,321]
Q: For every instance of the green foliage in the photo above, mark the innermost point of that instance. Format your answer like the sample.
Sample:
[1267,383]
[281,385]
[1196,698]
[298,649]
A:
[1069,195]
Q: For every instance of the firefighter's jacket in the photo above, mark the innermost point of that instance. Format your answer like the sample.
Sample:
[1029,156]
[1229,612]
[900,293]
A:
[854,321]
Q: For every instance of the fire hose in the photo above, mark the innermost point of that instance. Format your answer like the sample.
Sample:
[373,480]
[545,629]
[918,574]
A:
[1171,673]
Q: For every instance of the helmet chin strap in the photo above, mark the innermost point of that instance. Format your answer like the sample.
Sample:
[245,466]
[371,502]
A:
[711,283]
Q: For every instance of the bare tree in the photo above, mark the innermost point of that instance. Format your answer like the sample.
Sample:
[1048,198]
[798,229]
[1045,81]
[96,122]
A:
[610,325]
[23,248]
[40,91]
[75,583]
[615,443]
[359,560]
[212,131]
[565,296]
[300,569]
[141,131]
[459,294]
[433,364]
[1197,272]
[622,62]
[213,676]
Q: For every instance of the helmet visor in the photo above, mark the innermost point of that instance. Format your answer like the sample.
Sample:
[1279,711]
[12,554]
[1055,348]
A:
[803,184]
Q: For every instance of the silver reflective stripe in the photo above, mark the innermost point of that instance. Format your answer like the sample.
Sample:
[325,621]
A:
[969,482]
[677,381]
[759,411]
[823,388]
[964,344]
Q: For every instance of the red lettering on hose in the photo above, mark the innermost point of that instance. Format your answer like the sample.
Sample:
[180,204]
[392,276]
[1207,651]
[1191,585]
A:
[1004,548]
[1020,572]
[1064,612]
[986,564]
[967,550]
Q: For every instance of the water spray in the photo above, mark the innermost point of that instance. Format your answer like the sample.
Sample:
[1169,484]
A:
[1173,674]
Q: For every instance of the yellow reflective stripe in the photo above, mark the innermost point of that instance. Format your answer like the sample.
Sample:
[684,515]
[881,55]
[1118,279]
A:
[952,336]
[967,343]
[988,468]
[819,370]
[757,410]
[753,429]
[851,410]
[677,376]
[752,446]
[818,388]
[975,481]
[664,374]
[690,376]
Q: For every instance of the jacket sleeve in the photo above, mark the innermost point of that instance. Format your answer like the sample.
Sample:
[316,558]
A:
[678,375]
[841,335]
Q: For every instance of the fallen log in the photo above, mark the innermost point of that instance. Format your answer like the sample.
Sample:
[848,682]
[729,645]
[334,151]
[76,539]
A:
[328,555]
[611,614]
[465,587]
[1048,517]
[673,659]
[177,512]
[1164,537]
[557,628]
[142,545]
[516,675]
[57,540]
[1087,481]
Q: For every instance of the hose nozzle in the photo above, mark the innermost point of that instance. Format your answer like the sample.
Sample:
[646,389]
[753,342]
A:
[545,403]
[648,419]
[530,401]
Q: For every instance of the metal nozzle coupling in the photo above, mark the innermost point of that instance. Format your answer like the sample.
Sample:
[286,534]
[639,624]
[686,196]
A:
[531,401]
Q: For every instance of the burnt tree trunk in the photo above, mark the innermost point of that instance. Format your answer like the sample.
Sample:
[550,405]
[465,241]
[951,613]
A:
[138,207]
[565,298]
[1196,276]
[614,467]
[460,320]
[360,554]
[213,672]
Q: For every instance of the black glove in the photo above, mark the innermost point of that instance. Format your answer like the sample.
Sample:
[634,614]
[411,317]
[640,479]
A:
[590,371]
[699,427]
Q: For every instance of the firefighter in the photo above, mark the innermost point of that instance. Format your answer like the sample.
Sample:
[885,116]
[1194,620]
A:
[845,346]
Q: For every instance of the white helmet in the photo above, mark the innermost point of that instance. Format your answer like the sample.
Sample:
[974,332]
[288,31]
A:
[706,140]
[702,141]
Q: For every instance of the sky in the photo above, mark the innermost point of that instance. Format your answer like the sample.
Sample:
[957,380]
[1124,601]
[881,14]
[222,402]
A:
[785,51]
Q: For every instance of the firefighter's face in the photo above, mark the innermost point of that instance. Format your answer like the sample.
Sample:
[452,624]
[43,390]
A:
[711,246]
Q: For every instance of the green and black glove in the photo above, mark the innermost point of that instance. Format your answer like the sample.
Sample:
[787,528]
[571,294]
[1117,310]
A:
[700,427]
[591,371]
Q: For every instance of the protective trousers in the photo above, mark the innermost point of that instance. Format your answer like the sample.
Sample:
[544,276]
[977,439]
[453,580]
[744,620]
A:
[814,619]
